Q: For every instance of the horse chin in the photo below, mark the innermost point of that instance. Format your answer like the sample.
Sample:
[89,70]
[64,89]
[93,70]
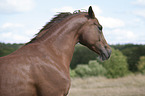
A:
[104,55]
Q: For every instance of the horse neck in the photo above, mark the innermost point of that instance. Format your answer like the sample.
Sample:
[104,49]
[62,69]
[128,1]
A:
[62,41]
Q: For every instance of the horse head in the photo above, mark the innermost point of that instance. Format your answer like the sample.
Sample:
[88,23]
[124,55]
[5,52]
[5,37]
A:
[91,35]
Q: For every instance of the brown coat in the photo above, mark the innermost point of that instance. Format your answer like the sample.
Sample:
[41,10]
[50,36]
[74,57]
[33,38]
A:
[41,67]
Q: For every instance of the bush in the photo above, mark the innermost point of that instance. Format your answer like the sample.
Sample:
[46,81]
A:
[82,70]
[117,65]
[72,73]
[141,64]
[82,55]
[8,48]
[132,52]
[96,69]
[92,69]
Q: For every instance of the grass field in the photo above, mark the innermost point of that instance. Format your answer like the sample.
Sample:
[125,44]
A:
[100,86]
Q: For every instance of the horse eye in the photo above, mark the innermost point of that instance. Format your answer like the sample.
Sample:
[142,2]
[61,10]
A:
[100,28]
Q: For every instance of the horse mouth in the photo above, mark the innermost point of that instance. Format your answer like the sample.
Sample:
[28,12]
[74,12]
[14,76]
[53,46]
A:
[103,57]
[104,53]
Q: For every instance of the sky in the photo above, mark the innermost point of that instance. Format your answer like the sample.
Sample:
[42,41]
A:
[123,21]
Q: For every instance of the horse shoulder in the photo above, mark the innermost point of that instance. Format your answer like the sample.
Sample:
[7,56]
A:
[50,79]
[15,75]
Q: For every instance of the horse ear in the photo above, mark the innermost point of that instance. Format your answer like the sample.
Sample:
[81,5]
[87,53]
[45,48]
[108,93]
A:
[91,13]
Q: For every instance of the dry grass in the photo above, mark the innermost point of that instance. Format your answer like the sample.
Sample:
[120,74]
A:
[99,86]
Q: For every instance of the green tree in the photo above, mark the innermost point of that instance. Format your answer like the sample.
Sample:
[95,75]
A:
[133,52]
[82,70]
[82,55]
[8,48]
[96,68]
[92,69]
[141,64]
[72,73]
[117,65]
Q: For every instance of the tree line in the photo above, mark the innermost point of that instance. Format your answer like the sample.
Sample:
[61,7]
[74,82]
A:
[125,59]
[7,48]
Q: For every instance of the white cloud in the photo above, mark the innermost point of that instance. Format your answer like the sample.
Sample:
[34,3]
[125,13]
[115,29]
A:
[96,9]
[16,37]
[139,2]
[110,22]
[140,12]
[11,25]
[124,34]
[10,6]
[121,36]
[64,9]
[19,33]
[107,22]
[5,35]
[16,33]
[30,32]
[11,37]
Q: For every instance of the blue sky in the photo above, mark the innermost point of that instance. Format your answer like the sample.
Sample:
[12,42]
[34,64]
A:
[123,21]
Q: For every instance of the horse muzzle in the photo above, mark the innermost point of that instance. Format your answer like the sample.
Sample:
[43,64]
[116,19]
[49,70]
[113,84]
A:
[105,54]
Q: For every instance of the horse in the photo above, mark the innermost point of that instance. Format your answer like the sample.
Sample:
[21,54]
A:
[41,66]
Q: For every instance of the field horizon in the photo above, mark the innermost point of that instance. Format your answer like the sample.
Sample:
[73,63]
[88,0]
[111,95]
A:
[133,85]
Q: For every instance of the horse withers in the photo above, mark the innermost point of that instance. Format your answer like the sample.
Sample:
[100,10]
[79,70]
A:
[41,67]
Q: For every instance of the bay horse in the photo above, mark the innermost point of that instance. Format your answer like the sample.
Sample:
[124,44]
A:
[41,67]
